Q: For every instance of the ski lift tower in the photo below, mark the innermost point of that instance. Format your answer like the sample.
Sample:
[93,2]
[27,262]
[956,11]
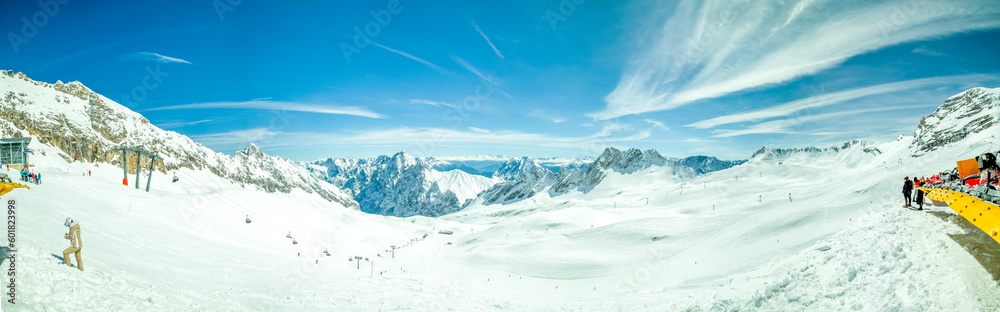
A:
[139,152]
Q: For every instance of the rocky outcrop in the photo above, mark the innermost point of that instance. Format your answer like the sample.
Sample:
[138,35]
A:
[966,113]
[706,164]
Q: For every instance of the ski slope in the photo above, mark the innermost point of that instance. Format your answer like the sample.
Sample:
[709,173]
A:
[728,240]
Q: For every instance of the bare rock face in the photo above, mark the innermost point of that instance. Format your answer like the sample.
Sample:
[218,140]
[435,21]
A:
[706,164]
[972,111]
[86,126]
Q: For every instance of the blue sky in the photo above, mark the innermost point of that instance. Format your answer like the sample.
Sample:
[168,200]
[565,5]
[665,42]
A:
[537,78]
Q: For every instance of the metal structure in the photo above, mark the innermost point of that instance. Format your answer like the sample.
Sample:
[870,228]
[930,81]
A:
[139,152]
[14,151]
[982,214]
[6,187]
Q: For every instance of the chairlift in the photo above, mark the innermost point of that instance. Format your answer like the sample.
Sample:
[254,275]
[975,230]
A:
[289,235]
[248,219]
[177,179]
[326,252]
[295,242]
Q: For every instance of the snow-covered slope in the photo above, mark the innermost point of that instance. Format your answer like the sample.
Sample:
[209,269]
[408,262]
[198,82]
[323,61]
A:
[972,111]
[81,124]
[400,185]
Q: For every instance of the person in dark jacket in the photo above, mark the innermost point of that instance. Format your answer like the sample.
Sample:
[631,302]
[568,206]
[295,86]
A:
[920,194]
[907,190]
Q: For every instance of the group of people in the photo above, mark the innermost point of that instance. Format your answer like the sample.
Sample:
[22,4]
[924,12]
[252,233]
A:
[911,189]
[31,177]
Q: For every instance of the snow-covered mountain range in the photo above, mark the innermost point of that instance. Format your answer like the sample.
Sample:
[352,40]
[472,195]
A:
[777,153]
[634,231]
[400,185]
[82,125]
[535,179]
[487,166]
[706,164]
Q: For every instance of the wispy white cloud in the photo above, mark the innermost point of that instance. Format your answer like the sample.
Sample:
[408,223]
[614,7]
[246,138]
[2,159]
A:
[410,137]
[478,130]
[279,105]
[409,56]
[489,78]
[698,140]
[153,57]
[925,51]
[171,125]
[235,138]
[546,115]
[787,126]
[657,124]
[432,103]
[480,31]
[828,99]
[708,49]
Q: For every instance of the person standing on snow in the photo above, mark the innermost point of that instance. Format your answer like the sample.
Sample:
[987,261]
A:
[75,243]
[920,194]
[907,190]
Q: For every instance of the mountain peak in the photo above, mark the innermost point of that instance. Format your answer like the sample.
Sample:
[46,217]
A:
[251,150]
[514,167]
[404,159]
[966,113]
[629,160]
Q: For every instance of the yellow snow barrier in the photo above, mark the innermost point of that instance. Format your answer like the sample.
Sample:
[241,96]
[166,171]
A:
[6,187]
[982,214]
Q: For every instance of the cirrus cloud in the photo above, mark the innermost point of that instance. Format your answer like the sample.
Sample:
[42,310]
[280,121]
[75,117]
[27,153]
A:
[708,49]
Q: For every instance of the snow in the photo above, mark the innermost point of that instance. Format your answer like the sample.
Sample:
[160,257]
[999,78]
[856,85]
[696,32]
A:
[643,239]
[465,186]
[841,243]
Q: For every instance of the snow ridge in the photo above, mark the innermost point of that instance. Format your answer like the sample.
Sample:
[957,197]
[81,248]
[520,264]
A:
[81,124]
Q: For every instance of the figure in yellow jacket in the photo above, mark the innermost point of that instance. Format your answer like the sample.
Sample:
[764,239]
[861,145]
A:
[75,243]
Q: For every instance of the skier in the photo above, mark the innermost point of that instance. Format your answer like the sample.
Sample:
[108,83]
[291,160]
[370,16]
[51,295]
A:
[75,243]
[907,189]
[38,178]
